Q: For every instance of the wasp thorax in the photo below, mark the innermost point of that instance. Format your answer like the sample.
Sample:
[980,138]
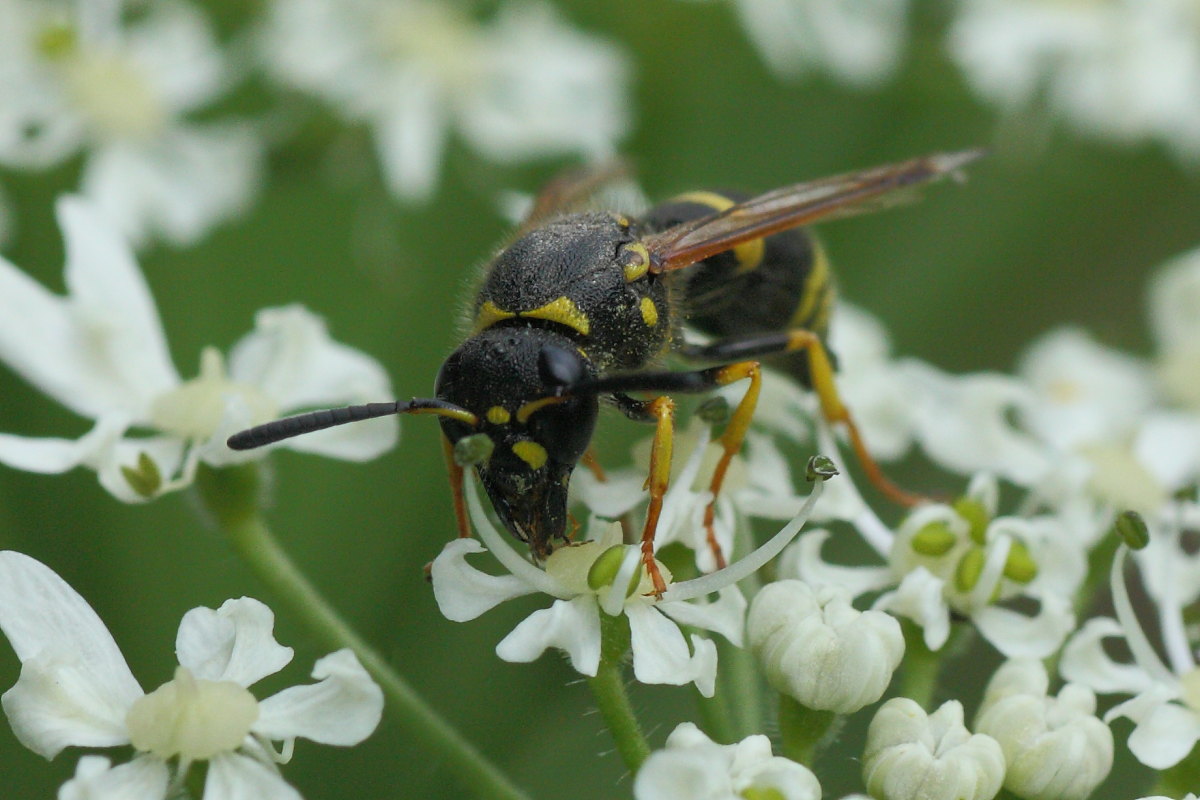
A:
[514,379]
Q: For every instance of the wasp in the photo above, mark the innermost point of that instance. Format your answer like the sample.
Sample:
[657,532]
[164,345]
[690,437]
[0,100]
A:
[581,307]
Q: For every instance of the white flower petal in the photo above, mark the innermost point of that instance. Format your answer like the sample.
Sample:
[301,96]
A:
[661,654]
[572,626]
[75,686]
[342,709]
[1019,636]
[291,358]
[144,778]
[107,288]
[803,560]
[920,598]
[53,456]
[463,592]
[236,777]
[410,135]
[726,615]
[178,186]
[1085,661]
[1165,736]
[233,643]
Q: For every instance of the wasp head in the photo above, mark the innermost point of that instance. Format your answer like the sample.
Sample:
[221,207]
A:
[513,379]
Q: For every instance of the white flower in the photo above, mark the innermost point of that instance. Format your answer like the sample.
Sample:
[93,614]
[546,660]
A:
[75,689]
[914,756]
[121,93]
[522,85]
[1087,393]
[817,648]
[602,576]
[693,767]
[101,352]
[1174,312]
[860,43]
[1126,70]
[962,558]
[1055,747]
[1165,706]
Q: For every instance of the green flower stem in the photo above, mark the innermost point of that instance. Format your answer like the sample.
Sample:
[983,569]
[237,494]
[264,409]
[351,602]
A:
[608,687]
[921,666]
[231,495]
[804,730]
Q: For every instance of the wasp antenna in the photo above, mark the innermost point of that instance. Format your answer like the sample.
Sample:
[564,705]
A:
[280,429]
[286,428]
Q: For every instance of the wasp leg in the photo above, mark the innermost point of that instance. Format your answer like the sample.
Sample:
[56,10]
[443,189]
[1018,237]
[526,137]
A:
[660,410]
[456,474]
[821,376]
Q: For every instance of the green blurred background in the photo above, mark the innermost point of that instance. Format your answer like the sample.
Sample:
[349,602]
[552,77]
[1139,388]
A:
[1050,229]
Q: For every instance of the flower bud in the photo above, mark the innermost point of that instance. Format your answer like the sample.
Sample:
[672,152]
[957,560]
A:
[817,648]
[1055,747]
[914,756]
[692,766]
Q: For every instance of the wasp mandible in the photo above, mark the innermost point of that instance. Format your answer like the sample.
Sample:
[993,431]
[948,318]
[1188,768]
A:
[580,306]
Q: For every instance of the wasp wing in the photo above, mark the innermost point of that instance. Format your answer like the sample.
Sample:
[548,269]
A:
[572,191]
[801,204]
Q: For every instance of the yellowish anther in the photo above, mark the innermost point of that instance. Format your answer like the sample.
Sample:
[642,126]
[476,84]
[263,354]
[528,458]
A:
[531,453]
[935,539]
[635,260]
[498,415]
[1020,566]
[970,567]
[605,568]
[762,793]
[489,314]
[564,312]
[191,718]
[57,40]
[976,516]
[145,479]
[649,312]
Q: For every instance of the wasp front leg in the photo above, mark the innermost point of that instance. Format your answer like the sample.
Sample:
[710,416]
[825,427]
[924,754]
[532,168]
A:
[821,377]
[660,410]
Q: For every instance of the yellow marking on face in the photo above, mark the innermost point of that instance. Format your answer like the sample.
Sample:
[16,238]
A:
[498,415]
[531,453]
[636,260]
[489,314]
[748,254]
[815,295]
[649,312]
[621,220]
[564,312]
[527,410]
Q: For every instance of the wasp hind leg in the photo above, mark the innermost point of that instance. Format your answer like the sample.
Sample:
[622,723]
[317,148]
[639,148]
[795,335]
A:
[821,377]
[660,411]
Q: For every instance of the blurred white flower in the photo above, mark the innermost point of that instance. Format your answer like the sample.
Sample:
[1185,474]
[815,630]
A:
[102,353]
[1165,706]
[693,767]
[914,756]
[818,649]
[1174,312]
[522,85]
[962,558]
[603,576]
[84,80]
[75,689]
[859,42]
[1125,70]
[1055,747]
